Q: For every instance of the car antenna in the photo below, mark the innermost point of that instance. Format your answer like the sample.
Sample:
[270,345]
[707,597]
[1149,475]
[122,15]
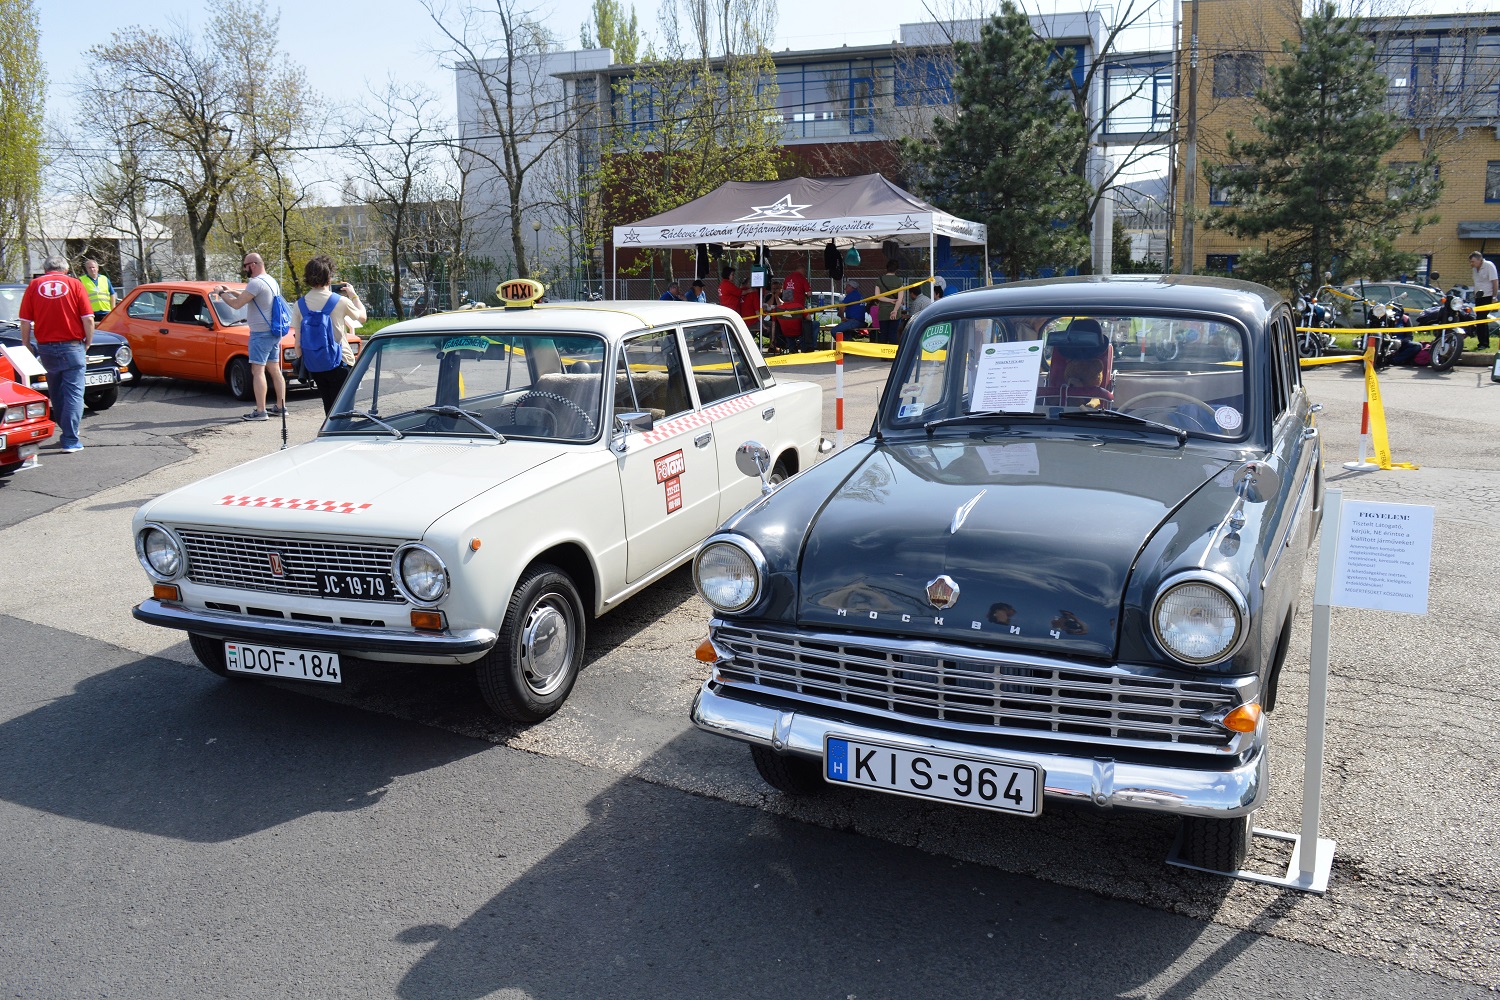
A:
[283,427]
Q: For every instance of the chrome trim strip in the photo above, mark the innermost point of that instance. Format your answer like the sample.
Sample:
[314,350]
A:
[962,514]
[1286,538]
[351,639]
[1180,791]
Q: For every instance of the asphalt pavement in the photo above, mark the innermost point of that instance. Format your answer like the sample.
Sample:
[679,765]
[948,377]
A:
[172,834]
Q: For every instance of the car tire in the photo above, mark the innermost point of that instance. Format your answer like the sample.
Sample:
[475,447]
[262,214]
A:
[788,774]
[237,377]
[102,399]
[782,472]
[527,676]
[1219,845]
[210,653]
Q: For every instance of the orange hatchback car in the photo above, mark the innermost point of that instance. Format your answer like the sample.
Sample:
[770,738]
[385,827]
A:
[178,330]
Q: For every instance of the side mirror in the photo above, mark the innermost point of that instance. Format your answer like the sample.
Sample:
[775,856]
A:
[753,459]
[627,422]
[1256,482]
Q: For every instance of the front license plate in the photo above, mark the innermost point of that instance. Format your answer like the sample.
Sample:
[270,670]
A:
[355,586]
[273,661]
[969,781]
[101,378]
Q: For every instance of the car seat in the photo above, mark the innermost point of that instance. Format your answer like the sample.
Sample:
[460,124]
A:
[1082,341]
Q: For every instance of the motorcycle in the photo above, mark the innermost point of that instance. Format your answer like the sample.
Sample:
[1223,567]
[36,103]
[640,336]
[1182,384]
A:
[1312,318]
[1448,344]
[1386,316]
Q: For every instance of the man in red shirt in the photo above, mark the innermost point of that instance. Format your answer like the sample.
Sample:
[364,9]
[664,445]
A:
[729,292]
[57,321]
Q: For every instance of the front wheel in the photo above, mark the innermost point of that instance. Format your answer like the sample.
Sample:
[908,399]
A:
[210,653]
[1219,845]
[1446,349]
[101,399]
[787,774]
[1309,344]
[529,672]
[237,377]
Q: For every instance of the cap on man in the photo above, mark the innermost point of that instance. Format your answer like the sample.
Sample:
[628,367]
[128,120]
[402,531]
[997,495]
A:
[57,317]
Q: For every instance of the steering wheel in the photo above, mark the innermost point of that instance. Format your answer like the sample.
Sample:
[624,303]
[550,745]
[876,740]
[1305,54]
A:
[1183,397]
[558,398]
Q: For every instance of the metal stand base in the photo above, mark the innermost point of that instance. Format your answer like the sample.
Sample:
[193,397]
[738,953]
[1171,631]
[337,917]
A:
[1315,881]
[1361,466]
[34,462]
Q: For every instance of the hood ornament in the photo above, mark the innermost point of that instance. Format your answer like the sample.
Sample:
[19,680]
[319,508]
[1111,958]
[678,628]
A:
[962,514]
[942,593]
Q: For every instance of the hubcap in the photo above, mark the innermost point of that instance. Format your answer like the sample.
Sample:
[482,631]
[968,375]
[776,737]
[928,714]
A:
[547,644]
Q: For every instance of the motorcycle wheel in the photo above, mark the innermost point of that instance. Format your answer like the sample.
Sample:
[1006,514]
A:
[1446,349]
[1310,344]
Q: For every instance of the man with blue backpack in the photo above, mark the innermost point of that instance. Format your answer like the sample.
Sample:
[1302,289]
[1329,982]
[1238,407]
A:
[319,323]
[269,321]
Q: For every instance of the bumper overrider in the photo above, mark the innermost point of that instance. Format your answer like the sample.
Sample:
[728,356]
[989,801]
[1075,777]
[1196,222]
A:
[1207,787]
[354,640]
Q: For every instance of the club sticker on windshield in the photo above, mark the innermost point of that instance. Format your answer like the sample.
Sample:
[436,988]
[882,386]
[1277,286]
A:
[909,410]
[480,344]
[937,336]
[1228,418]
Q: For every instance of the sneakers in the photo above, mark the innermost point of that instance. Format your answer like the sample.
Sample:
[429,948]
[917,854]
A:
[275,410]
[255,415]
[71,448]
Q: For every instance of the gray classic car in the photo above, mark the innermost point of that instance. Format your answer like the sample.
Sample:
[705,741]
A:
[1060,567]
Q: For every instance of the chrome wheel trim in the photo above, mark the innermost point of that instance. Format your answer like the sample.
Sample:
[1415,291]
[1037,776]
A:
[547,644]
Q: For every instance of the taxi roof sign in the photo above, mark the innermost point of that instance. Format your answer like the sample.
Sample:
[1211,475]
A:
[519,293]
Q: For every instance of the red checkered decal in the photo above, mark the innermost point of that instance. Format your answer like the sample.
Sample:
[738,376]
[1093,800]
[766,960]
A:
[292,503]
[691,421]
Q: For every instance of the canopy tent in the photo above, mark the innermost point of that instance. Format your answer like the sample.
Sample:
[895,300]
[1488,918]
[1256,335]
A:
[863,211]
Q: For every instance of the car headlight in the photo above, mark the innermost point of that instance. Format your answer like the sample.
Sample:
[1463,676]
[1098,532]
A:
[15,414]
[420,574]
[159,552]
[1199,618]
[36,410]
[289,354]
[728,575]
[123,356]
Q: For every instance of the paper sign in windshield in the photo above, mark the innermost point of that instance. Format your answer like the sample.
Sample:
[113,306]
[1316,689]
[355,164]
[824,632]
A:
[1007,377]
[1385,557]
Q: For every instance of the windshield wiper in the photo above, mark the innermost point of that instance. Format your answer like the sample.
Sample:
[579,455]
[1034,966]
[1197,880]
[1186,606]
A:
[1177,432]
[346,414]
[469,415]
[982,415]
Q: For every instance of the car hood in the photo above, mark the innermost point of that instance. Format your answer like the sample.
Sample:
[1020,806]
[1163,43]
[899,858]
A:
[377,488]
[1039,537]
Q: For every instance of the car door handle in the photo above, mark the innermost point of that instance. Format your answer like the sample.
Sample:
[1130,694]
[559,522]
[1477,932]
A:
[703,439]
[163,330]
[1309,433]
[768,413]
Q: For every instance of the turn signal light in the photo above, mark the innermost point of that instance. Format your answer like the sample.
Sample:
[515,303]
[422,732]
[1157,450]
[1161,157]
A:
[428,621]
[166,592]
[1243,719]
[706,652]
[474,544]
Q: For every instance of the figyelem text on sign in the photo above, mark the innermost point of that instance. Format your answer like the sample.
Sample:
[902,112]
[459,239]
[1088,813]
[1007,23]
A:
[1385,557]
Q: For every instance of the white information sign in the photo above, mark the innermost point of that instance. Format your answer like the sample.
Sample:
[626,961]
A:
[1384,557]
[1007,377]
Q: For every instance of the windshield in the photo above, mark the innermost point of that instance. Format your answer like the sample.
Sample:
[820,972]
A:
[526,385]
[1177,371]
[10,304]
[228,315]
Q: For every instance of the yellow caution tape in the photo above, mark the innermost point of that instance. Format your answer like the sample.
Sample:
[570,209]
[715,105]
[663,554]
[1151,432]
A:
[805,358]
[1378,436]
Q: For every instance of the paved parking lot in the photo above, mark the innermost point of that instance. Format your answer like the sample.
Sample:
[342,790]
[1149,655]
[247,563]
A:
[429,780]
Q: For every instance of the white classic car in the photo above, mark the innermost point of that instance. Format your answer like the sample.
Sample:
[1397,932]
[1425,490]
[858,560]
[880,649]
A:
[486,481]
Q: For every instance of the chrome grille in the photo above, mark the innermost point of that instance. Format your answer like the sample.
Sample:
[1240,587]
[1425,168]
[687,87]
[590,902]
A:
[978,690]
[244,562]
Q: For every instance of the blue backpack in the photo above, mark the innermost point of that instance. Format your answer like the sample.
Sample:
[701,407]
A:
[321,351]
[281,319]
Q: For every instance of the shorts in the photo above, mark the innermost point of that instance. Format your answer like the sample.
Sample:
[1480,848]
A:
[262,346]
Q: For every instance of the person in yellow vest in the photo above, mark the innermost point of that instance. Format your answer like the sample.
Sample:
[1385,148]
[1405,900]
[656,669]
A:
[101,292]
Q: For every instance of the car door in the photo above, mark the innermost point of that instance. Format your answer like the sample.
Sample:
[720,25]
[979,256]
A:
[188,347]
[729,396]
[1295,446]
[145,316]
[669,476]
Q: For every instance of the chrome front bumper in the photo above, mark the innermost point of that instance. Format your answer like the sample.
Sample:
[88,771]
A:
[1180,791]
[355,640]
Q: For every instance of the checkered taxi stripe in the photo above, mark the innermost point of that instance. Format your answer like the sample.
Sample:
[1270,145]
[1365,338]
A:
[293,503]
[702,418]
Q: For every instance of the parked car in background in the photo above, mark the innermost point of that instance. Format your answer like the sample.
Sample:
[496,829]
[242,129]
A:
[1414,298]
[108,360]
[177,329]
[488,481]
[25,419]
[1061,569]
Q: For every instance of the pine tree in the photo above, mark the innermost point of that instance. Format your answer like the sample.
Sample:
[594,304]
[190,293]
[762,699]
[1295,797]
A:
[1312,185]
[1006,157]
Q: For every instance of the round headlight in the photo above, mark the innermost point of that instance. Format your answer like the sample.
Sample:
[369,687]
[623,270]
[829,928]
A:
[159,553]
[422,575]
[726,576]
[1198,622]
[123,356]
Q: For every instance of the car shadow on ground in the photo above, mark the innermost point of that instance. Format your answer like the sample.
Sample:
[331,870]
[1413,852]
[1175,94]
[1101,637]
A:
[157,747]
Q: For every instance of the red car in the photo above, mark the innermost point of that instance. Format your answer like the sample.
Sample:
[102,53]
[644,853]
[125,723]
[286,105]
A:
[24,419]
[177,329]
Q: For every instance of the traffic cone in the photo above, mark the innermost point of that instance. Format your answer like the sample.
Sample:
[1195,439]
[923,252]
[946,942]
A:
[1363,465]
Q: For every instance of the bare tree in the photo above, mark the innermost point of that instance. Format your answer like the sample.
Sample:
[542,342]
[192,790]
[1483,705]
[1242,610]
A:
[23,88]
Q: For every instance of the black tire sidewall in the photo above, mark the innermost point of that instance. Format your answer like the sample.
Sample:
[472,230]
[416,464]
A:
[101,399]
[499,671]
[239,364]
